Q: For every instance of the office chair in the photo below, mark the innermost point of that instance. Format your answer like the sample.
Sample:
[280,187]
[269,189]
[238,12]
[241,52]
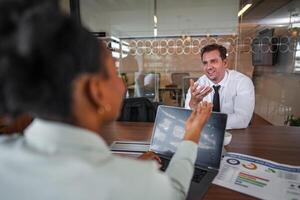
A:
[151,85]
[139,109]
[176,79]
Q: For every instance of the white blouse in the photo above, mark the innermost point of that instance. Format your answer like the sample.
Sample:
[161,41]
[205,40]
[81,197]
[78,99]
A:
[59,161]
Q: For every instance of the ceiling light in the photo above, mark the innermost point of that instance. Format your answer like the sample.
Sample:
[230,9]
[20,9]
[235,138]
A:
[155,31]
[188,39]
[155,19]
[246,7]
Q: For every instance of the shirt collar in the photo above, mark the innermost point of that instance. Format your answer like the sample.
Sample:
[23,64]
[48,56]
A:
[51,136]
[222,83]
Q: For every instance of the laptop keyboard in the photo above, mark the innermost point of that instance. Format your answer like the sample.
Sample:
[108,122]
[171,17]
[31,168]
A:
[198,173]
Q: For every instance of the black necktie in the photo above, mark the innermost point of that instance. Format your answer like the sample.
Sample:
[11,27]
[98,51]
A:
[216,100]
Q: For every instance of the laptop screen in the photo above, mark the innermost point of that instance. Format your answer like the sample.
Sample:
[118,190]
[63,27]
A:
[169,129]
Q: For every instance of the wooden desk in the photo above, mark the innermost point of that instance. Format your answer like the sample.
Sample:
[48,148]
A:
[276,143]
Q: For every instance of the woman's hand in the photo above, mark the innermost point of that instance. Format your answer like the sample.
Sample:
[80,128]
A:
[149,155]
[196,122]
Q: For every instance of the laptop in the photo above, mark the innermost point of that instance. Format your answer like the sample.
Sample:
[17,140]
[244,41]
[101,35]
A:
[168,132]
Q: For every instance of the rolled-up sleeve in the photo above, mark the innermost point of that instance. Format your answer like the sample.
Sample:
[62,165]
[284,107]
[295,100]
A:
[181,167]
[188,99]
[174,184]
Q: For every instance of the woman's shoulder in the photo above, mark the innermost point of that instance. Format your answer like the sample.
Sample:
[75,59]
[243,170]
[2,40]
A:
[9,144]
[10,139]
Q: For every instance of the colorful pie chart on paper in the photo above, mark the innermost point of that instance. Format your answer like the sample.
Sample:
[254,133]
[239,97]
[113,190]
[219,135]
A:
[250,166]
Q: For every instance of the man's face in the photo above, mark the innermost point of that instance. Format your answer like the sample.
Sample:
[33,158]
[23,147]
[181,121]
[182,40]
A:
[213,66]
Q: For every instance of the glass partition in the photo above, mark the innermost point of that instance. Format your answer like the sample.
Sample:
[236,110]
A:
[156,45]
[156,68]
[268,49]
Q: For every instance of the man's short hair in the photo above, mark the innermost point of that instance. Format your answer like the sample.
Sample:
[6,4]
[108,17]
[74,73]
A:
[211,47]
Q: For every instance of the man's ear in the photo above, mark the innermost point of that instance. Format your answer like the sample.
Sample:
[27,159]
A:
[225,61]
[94,91]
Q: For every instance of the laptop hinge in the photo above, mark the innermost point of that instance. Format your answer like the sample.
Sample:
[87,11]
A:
[213,168]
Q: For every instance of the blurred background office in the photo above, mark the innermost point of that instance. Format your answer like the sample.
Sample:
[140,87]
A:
[164,38]
[156,45]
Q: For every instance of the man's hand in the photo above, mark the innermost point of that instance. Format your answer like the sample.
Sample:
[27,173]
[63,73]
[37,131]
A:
[197,94]
[196,122]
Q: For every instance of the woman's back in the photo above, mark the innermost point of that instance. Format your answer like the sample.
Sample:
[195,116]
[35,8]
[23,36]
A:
[57,161]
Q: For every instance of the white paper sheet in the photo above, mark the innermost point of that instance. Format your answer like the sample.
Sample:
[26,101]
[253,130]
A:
[258,177]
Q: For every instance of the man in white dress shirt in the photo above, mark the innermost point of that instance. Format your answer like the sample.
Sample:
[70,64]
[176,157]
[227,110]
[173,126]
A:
[230,91]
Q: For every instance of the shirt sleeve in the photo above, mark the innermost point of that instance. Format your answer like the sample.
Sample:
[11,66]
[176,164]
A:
[189,95]
[243,106]
[174,183]
[187,99]
[181,167]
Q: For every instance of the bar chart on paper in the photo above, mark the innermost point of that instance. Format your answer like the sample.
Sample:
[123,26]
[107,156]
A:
[247,180]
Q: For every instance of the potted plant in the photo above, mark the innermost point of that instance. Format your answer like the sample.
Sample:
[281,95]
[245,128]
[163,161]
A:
[291,121]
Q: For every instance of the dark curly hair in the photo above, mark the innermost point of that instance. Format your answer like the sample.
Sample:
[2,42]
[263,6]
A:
[41,52]
[211,47]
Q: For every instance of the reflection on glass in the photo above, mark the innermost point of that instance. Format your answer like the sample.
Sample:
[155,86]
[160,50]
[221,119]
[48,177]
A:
[297,57]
